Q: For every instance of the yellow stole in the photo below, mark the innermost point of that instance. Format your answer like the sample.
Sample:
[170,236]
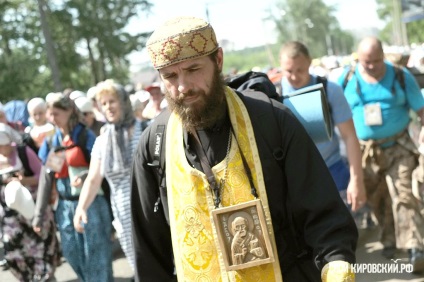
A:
[194,237]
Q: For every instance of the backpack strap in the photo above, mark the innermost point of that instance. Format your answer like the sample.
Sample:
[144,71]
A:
[157,150]
[82,143]
[350,73]
[27,139]
[399,77]
[22,154]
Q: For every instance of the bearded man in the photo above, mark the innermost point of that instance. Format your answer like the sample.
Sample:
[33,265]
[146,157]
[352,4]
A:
[216,156]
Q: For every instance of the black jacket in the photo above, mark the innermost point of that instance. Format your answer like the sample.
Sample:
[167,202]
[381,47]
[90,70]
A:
[311,223]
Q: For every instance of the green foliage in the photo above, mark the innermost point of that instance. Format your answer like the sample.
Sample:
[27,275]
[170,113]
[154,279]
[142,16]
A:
[263,57]
[317,28]
[98,27]
[20,77]
[385,11]
[415,31]
[89,40]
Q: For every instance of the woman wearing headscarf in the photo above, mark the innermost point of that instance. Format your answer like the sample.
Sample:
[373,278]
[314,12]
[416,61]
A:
[89,253]
[31,256]
[39,127]
[112,158]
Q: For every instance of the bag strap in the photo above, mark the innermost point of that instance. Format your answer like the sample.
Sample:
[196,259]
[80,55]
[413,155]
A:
[400,77]
[22,154]
[350,73]
[157,151]
[207,169]
[82,143]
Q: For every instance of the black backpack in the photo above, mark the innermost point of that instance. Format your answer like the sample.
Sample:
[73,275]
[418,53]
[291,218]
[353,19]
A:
[27,140]
[257,81]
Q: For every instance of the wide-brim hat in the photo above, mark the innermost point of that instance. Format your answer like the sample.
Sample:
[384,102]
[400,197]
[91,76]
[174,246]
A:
[180,39]
[19,198]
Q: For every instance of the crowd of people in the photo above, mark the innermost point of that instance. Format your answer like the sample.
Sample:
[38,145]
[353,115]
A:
[54,151]
[241,169]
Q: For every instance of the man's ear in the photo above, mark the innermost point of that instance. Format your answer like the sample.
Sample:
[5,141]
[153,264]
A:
[220,58]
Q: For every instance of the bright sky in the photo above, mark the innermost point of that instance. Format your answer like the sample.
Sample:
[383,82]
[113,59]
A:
[242,21]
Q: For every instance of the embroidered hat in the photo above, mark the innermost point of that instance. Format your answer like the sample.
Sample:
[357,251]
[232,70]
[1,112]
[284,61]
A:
[19,198]
[181,39]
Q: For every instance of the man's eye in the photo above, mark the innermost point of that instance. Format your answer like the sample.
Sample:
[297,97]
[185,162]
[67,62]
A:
[169,76]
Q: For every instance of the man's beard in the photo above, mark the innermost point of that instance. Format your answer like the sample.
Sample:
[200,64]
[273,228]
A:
[207,111]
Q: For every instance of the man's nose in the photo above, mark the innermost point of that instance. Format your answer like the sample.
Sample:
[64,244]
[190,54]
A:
[293,77]
[184,85]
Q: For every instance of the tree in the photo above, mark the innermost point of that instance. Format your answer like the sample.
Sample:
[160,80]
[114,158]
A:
[51,55]
[317,28]
[387,12]
[23,74]
[88,40]
[100,27]
[414,31]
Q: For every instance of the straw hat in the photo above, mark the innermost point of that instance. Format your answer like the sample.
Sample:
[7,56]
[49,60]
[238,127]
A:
[19,198]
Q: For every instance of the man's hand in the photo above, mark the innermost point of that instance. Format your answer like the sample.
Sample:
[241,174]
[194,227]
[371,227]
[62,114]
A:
[79,218]
[77,182]
[356,195]
[37,229]
[421,136]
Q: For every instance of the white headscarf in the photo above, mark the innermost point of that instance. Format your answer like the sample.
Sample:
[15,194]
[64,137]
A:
[35,103]
[8,135]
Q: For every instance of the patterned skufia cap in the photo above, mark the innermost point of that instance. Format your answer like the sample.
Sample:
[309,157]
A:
[181,39]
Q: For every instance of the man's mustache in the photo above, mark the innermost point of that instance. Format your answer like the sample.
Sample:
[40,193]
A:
[182,96]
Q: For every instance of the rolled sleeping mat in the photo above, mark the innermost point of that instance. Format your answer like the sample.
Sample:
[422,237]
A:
[310,106]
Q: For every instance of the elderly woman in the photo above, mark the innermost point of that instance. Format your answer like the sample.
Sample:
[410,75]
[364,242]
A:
[90,253]
[112,158]
[31,256]
[40,127]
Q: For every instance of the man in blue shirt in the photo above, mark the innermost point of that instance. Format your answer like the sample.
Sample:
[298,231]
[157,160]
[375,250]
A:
[295,62]
[380,106]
